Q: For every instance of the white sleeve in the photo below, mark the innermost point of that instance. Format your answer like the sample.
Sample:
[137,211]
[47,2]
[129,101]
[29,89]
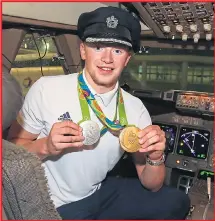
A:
[145,119]
[30,117]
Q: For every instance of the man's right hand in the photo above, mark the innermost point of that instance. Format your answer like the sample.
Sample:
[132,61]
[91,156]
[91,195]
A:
[63,135]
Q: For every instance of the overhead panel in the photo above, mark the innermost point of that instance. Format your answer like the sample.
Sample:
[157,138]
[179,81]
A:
[179,20]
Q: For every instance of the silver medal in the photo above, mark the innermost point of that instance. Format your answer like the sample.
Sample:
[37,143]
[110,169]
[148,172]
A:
[91,132]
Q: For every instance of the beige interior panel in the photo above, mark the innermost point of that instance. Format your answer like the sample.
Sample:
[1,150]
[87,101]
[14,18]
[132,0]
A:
[11,41]
[60,12]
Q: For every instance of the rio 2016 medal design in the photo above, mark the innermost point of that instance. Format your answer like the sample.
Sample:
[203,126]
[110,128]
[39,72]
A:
[129,140]
[91,132]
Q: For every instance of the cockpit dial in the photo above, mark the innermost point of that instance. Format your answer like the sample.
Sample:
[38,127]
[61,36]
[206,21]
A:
[193,142]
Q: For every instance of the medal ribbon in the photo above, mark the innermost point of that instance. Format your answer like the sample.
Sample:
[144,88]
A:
[87,98]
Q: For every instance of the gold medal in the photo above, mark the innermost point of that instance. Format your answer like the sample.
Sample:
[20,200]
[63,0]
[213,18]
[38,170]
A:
[129,140]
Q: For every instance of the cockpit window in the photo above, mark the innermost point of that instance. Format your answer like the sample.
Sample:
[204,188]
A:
[171,68]
[36,58]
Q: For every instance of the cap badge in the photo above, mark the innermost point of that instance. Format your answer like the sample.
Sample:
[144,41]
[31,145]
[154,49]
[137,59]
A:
[112,22]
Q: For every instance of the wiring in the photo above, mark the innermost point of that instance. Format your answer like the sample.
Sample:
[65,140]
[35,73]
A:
[40,57]
[46,49]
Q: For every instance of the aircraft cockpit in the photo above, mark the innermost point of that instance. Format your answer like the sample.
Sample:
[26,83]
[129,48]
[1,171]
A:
[172,74]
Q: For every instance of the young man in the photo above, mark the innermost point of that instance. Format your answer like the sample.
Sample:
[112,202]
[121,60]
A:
[60,119]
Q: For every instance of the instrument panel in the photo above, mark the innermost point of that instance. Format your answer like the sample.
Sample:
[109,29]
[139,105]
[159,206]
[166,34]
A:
[188,129]
[201,102]
[188,147]
[193,142]
[170,133]
[183,20]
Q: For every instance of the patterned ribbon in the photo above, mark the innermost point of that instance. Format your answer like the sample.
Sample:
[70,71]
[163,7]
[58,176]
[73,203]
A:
[87,98]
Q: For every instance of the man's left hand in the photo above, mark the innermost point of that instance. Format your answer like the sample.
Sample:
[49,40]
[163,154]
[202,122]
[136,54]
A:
[152,140]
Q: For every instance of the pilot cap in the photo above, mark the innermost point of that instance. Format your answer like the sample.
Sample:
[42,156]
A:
[110,25]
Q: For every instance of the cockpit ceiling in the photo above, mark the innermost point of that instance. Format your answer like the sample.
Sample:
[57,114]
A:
[58,12]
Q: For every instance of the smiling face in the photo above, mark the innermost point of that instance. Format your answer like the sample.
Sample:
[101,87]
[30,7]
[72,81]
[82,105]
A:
[103,64]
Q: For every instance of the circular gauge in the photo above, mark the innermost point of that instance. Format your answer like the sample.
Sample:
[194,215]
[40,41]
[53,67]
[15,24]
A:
[193,142]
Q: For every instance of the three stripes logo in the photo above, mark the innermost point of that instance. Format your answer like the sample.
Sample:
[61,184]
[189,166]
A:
[64,116]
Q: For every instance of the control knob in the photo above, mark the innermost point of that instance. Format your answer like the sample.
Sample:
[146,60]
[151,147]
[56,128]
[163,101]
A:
[208,36]
[166,28]
[196,37]
[207,27]
[193,28]
[185,163]
[184,37]
[179,28]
